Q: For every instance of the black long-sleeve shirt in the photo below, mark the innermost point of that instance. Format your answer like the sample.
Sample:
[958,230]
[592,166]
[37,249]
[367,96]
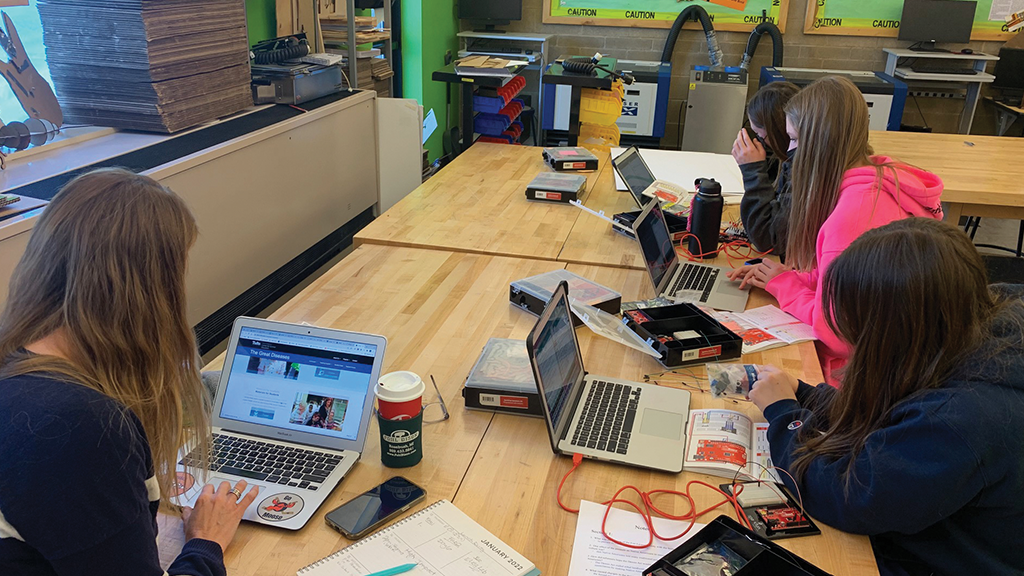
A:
[766,203]
[77,491]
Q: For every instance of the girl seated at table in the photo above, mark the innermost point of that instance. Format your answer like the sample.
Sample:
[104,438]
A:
[100,387]
[921,448]
[766,162]
[840,190]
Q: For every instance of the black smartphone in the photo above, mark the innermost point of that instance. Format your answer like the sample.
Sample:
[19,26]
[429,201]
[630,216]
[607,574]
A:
[368,511]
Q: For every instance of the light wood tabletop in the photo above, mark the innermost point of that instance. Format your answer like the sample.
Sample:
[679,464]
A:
[478,204]
[981,174]
[438,309]
[518,502]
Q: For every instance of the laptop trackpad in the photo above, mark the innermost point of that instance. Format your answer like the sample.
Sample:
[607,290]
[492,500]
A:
[662,424]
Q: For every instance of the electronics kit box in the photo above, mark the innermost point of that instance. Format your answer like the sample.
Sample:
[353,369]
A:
[563,159]
[677,225]
[532,294]
[554,187]
[502,380]
[684,335]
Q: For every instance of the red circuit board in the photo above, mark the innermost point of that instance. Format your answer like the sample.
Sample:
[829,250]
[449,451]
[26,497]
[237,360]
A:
[721,451]
[782,518]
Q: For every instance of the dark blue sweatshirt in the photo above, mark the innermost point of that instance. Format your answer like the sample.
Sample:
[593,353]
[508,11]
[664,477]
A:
[940,489]
[77,491]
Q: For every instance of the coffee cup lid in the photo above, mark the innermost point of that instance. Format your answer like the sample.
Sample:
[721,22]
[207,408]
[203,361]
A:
[401,386]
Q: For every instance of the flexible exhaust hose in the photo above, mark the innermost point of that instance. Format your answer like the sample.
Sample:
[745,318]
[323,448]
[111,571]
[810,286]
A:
[755,37]
[694,12]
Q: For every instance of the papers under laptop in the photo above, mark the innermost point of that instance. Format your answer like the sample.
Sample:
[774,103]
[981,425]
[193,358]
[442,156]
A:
[684,167]
[602,418]
[291,416]
[682,281]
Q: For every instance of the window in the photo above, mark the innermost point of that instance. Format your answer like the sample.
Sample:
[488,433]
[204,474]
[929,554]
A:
[30,29]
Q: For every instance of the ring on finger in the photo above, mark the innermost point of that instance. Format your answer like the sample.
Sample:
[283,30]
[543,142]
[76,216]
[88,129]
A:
[237,493]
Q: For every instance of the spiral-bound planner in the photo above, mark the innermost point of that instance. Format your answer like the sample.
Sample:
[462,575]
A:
[440,539]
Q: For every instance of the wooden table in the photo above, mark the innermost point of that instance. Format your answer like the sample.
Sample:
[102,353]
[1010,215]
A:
[437,309]
[982,174]
[478,204]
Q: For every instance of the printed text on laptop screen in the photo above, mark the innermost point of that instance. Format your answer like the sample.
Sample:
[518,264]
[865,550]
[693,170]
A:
[298,382]
[557,362]
[656,244]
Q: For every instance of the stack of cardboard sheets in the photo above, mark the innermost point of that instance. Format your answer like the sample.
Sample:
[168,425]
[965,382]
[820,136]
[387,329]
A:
[155,65]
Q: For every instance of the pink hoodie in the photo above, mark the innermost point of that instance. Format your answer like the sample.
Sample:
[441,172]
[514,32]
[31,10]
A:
[862,205]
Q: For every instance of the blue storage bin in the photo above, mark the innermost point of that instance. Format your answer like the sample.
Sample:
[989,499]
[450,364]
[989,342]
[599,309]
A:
[491,124]
[488,104]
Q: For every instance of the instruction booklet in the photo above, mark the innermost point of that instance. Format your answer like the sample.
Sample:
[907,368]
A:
[728,444]
[763,328]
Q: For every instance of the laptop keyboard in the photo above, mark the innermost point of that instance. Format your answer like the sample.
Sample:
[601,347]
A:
[695,277]
[268,462]
[607,418]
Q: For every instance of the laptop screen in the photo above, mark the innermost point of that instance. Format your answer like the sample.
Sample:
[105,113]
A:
[634,173]
[656,245]
[557,357]
[298,382]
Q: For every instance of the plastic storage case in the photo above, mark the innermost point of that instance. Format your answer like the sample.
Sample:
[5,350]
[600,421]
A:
[569,159]
[532,294]
[677,225]
[502,380]
[554,187]
[657,325]
[729,548]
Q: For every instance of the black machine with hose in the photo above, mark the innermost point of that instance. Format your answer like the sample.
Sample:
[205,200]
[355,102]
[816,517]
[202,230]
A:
[717,97]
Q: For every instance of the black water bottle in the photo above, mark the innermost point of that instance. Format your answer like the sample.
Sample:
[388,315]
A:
[706,219]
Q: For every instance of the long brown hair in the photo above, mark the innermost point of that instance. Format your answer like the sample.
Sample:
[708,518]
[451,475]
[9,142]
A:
[912,299]
[105,267]
[831,119]
[767,109]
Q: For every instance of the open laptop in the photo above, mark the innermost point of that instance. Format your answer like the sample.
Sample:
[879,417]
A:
[602,418]
[682,281]
[291,416]
[631,167]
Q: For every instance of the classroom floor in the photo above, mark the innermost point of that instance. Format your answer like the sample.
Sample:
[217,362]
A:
[999,233]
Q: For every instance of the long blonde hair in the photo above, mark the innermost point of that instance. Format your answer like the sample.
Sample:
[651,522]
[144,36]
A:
[831,119]
[105,266]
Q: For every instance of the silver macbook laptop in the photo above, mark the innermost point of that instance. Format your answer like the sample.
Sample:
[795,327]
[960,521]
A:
[683,281]
[631,167]
[602,418]
[291,416]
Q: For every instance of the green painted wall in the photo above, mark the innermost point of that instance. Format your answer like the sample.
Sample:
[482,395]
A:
[262,17]
[429,29]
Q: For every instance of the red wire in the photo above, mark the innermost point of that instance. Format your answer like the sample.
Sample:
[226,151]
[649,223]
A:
[649,509]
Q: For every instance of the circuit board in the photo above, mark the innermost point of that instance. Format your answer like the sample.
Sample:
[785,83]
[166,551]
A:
[776,521]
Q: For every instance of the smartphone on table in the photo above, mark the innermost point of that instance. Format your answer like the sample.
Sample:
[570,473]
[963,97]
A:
[375,507]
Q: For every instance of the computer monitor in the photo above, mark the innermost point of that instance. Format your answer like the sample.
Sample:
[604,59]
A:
[491,12]
[1010,72]
[929,21]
